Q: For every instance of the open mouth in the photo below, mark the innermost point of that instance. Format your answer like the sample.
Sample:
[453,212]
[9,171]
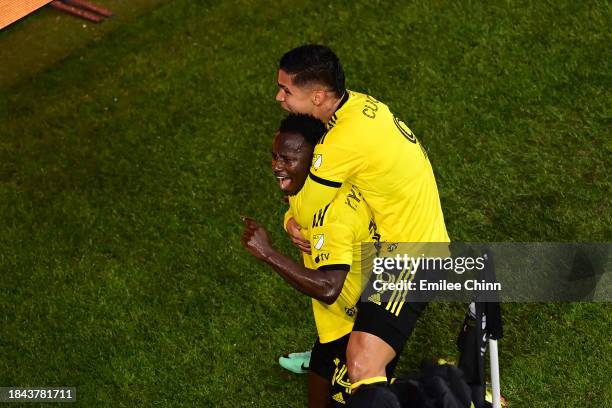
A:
[284,182]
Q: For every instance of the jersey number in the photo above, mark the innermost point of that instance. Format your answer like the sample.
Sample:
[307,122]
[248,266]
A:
[407,133]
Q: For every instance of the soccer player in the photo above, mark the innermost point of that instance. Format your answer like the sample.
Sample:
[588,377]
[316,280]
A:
[332,274]
[369,147]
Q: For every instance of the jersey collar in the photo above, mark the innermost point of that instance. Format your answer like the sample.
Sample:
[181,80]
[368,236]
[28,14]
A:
[332,121]
[343,100]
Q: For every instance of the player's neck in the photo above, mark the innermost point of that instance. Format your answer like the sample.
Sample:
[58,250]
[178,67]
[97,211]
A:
[326,111]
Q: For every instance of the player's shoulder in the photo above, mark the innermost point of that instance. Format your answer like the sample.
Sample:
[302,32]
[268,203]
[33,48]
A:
[360,113]
[364,106]
[344,222]
[337,210]
[359,100]
[349,208]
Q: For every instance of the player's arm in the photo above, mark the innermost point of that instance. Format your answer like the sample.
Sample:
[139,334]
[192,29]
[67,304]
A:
[313,196]
[335,164]
[323,284]
[294,231]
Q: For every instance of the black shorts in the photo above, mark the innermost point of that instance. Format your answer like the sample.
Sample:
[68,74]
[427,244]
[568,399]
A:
[328,360]
[322,359]
[391,314]
[394,327]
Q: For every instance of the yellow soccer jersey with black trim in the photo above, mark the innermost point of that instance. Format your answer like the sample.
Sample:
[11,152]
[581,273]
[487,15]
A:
[367,146]
[335,233]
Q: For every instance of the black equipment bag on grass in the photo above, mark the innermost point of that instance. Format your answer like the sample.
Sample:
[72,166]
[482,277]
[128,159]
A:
[436,386]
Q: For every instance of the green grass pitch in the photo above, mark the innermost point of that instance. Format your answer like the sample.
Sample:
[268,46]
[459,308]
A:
[125,168]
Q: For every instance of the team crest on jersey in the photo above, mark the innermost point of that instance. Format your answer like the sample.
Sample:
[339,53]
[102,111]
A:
[317,160]
[350,311]
[319,240]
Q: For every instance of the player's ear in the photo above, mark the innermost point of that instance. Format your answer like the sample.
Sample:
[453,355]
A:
[318,97]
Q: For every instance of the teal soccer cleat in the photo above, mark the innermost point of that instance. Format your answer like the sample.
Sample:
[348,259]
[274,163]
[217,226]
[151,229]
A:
[297,363]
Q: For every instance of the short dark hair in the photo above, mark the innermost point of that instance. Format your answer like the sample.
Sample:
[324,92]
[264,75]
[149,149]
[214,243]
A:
[310,127]
[314,63]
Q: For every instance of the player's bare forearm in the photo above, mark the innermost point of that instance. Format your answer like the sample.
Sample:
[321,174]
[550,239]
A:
[321,285]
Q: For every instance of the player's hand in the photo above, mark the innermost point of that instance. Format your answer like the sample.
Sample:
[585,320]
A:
[255,239]
[293,229]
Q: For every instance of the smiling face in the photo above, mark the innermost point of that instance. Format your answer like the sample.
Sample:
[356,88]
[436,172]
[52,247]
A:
[294,98]
[291,157]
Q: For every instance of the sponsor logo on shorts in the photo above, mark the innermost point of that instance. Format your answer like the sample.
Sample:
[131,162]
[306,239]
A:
[339,398]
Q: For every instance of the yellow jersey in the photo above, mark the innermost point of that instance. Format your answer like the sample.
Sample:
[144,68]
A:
[335,232]
[369,147]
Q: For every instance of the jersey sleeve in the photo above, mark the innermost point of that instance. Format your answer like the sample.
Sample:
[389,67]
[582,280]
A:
[287,217]
[309,200]
[339,155]
[332,245]
[332,164]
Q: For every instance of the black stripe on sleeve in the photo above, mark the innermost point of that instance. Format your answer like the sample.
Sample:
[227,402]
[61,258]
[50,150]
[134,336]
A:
[335,267]
[327,183]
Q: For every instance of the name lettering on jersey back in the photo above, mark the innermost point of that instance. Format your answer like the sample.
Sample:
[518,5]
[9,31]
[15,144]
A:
[371,107]
[375,235]
[353,198]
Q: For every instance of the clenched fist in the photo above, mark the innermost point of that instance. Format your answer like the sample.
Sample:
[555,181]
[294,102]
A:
[255,239]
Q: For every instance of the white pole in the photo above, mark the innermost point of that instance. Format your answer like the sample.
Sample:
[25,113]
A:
[495,387]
